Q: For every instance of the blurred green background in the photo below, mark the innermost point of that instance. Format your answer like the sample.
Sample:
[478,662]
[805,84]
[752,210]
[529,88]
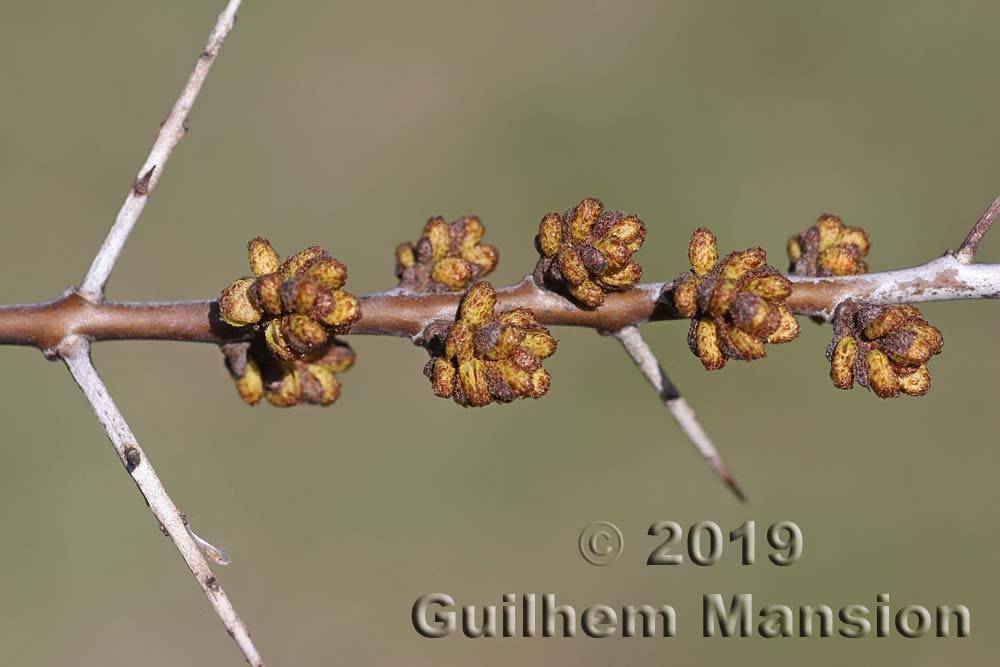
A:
[348,124]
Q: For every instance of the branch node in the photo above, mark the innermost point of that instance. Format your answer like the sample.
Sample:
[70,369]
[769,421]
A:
[141,185]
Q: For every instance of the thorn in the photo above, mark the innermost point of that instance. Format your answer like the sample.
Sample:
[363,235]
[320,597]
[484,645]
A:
[680,409]
[727,478]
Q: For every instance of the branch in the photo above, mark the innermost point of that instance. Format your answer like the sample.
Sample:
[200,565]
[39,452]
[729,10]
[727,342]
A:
[639,351]
[75,351]
[172,130]
[393,313]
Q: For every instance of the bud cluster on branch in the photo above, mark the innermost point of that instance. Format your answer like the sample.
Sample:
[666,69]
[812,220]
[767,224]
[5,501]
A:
[299,306]
[737,305]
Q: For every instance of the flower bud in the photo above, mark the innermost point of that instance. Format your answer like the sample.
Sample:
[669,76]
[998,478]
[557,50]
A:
[883,320]
[916,383]
[685,293]
[338,358]
[439,234]
[302,334]
[904,346]
[571,266]
[453,272]
[881,378]
[460,342]
[715,295]
[442,376]
[588,293]
[469,231]
[263,258]
[736,264]
[298,294]
[518,379]
[540,343]
[472,376]
[540,383]
[739,344]
[842,260]
[286,390]
[774,287]
[629,230]
[842,363]
[276,342]
[327,272]
[582,218]
[299,260]
[337,309]
[237,306]
[478,304]
[550,235]
[788,327]
[754,315]
[703,253]
[486,257]
[627,278]
[518,317]
[250,386]
[405,257]
[829,227]
[267,290]
[319,385]
[703,339]
[794,249]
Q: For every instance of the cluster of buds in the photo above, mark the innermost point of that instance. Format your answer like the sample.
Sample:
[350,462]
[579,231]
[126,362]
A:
[736,305]
[883,348]
[484,357]
[299,305]
[829,248]
[258,374]
[447,257]
[587,252]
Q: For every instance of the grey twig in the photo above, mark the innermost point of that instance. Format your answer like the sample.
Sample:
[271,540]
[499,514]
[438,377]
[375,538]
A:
[75,351]
[171,132]
[680,409]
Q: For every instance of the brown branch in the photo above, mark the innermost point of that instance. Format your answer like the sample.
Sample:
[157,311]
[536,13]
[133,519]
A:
[393,313]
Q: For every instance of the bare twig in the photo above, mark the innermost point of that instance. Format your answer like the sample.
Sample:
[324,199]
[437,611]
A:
[680,409]
[966,253]
[171,132]
[75,351]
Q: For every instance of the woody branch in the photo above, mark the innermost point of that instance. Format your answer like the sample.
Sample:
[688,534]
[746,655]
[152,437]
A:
[392,313]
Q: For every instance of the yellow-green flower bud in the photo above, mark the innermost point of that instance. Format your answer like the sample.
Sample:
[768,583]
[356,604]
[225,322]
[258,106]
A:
[472,376]
[453,272]
[237,306]
[842,364]
[250,387]
[550,234]
[703,252]
[478,304]
[263,258]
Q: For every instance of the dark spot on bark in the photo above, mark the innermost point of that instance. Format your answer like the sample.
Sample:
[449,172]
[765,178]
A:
[132,458]
[141,185]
